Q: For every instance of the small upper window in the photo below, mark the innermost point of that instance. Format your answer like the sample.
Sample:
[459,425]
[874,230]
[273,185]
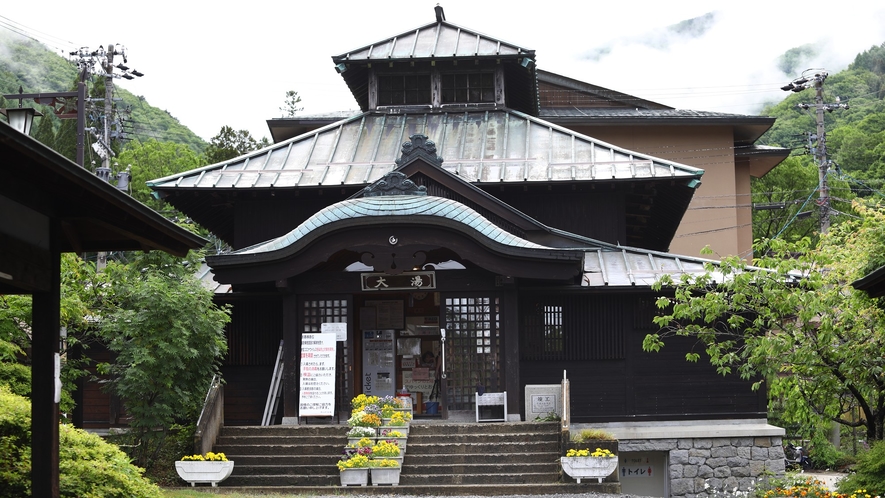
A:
[404,89]
[468,87]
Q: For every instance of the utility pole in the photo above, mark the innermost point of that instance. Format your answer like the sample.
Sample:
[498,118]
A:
[815,78]
[101,63]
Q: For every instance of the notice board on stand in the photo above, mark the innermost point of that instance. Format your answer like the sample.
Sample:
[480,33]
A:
[318,358]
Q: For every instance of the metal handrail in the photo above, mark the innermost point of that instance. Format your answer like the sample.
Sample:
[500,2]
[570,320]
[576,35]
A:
[211,417]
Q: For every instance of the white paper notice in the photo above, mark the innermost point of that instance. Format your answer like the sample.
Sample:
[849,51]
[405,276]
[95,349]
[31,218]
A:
[318,354]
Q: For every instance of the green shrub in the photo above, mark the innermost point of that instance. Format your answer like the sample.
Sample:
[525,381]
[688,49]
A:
[15,444]
[89,467]
[591,435]
[869,472]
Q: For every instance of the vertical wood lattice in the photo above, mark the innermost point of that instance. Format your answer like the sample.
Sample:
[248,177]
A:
[473,340]
[562,327]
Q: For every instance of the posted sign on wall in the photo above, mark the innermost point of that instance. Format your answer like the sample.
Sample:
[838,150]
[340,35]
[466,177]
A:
[317,375]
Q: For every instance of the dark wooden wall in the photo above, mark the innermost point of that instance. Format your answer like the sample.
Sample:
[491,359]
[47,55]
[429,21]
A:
[258,220]
[595,214]
[638,385]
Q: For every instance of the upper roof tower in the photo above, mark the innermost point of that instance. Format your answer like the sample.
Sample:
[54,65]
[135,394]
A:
[441,66]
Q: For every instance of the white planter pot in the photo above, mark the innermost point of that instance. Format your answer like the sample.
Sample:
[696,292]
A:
[355,477]
[204,472]
[589,467]
[385,475]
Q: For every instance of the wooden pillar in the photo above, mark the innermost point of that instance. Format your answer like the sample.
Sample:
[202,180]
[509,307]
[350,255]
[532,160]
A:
[511,351]
[44,408]
[291,358]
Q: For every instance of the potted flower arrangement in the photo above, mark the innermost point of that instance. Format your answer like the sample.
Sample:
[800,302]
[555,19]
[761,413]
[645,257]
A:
[361,401]
[396,437]
[363,419]
[385,471]
[362,443]
[387,450]
[398,420]
[357,433]
[354,470]
[582,464]
[209,468]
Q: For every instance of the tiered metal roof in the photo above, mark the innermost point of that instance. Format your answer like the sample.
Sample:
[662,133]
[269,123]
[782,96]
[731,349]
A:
[484,147]
[435,40]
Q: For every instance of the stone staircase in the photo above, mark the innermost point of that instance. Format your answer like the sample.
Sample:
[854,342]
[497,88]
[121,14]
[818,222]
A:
[441,459]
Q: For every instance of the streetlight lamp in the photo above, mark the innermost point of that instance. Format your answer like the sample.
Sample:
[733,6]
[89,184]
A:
[21,118]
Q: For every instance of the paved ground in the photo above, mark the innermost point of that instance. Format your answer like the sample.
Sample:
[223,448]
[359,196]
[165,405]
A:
[828,478]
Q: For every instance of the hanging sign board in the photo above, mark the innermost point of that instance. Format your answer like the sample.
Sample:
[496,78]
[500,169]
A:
[317,396]
[410,280]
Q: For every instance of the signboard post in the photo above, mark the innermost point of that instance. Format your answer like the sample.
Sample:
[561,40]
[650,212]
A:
[317,393]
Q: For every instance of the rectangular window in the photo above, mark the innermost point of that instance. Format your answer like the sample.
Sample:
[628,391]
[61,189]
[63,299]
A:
[404,89]
[468,87]
[568,327]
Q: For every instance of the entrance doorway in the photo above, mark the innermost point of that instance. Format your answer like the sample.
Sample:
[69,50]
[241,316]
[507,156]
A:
[472,349]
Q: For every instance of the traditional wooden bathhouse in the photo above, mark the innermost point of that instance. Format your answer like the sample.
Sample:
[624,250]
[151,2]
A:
[449,204]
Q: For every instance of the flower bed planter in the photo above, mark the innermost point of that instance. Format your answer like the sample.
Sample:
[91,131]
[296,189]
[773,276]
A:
[400,442]
[355,477]
[589,467]
[385,475]
[383,430]
[204,472]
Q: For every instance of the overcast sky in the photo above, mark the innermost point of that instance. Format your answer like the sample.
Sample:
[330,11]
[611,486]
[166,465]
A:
[211,64]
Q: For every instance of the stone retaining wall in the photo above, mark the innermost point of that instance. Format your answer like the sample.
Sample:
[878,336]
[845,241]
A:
[698,466]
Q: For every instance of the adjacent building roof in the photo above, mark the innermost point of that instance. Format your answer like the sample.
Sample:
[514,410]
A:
[483,147]
[39,185]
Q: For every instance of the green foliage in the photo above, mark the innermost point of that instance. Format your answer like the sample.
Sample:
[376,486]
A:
[228,144]
[796,324]
[88,466]
[168,337]
[151,160]
[592,435]
[33,67]
[855,144]
[869,473]
[796,59]
[15,444]
[290,105]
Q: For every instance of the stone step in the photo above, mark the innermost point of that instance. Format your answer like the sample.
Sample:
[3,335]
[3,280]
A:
[477,458]
[275,449]
[428,480]
[280,441]
[316,469]
[496,428]
[284,430]
[497,468]
[479,447]
[495,438]
[287,460]
[428,489]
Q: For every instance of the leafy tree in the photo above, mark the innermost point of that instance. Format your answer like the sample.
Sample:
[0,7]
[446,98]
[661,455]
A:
[168,337]
[290,105]
[228,144]
[150,160]
[796,324]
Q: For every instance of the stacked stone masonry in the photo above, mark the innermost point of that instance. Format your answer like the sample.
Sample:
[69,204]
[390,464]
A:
[705,467]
